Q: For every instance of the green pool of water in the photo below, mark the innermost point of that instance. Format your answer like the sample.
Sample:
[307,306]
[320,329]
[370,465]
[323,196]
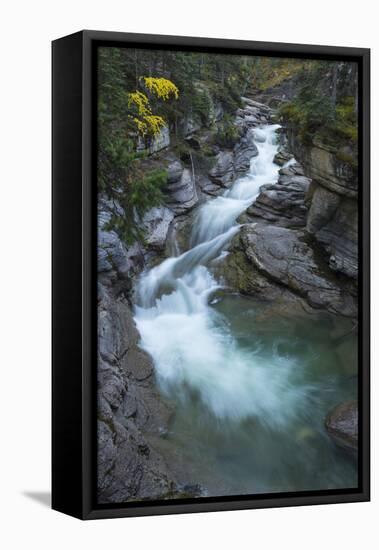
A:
[278,450]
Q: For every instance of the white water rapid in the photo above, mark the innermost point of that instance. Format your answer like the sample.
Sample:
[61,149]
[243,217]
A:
[194,350]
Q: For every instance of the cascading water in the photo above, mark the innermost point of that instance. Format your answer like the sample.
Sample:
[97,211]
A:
[202,363]
[218,215]
[190,347]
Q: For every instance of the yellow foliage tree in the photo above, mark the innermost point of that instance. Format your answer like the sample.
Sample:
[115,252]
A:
[145,121]
[161,87]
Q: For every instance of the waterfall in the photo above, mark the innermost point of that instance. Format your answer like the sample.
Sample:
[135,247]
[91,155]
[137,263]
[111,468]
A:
[192,346]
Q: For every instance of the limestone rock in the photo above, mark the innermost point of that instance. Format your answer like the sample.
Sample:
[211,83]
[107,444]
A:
[333,219]
[181,188]
[243,152]
[157,143]
[223,171]
[268,256]
[294,169]
[323,165]
[282,157]
[115,260]
[283,203]
[252,114]
[156,223]
[333,213]
[129,408]
[342,424]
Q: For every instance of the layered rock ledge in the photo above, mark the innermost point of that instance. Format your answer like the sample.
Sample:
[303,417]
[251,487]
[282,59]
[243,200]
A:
[264,259]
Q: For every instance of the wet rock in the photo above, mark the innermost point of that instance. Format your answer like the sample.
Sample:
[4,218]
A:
[252,114]
[342,424]
[267,256]
[128,468]
[243,152]
[245,122]
[282,157]
[180,235]
[283,202]
[294,169]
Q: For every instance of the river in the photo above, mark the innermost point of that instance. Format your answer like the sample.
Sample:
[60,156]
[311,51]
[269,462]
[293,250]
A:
[251,391]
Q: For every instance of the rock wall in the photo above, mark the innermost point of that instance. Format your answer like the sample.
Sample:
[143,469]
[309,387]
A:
[332,218]
[157,143]
[333,212]
[129,407]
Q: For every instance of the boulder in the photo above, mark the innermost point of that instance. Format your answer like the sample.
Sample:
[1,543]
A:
[282,157]
[267,256]
[243,152]
[223,171]
[181,194]
[252,114]
[342,424]
[208,187]
[282,202]
[113,254]
[156,223]
[259,107]
[245,122]
[174,171]
[294,169]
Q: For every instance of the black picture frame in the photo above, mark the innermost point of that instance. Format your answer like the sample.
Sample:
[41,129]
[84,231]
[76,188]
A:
[74,274]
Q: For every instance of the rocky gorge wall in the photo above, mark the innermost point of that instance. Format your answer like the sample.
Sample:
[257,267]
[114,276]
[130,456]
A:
[333,206]
[275,257]
[330,162]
